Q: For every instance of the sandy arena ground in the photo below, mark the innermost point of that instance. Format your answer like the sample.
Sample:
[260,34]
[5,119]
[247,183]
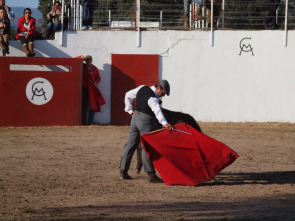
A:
[71,173]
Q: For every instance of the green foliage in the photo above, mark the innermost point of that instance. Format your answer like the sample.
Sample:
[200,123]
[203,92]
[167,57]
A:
[245,15]
[13,33]
[124,10]
[250,14]
[121,10]
[44,7]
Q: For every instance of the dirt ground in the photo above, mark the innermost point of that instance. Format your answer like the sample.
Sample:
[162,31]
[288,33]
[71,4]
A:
[71,173]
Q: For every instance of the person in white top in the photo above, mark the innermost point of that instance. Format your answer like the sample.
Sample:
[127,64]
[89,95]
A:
[9,11]
[147,109]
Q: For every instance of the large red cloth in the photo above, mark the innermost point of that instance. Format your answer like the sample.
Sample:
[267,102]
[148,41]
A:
[188,158]
[95,98]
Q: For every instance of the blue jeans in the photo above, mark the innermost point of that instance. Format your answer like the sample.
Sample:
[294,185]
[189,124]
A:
[88,11]
[84,106]
[186,4]
[54,26]
[272,8]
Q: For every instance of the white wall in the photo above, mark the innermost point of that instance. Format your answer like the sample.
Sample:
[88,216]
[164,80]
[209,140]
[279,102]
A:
[212,83]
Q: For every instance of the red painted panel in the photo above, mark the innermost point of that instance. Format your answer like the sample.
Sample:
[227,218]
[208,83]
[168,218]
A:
[128,72]
[63,109]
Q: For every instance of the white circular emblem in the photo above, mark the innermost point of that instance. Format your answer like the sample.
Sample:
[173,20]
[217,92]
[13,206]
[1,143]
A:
[39,91]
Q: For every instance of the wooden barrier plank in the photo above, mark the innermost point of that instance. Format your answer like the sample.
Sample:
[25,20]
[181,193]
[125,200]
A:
[17,109]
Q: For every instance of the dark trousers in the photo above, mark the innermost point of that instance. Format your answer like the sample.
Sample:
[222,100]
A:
[91,117]
[54,26]
[85,99]
[272,7]
[88,11]
[26,41]
[140,124]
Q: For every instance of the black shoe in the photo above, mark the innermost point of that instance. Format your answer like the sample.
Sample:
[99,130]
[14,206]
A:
[153,178]
[124,175]
[199,18]
[265,26]
[273,27]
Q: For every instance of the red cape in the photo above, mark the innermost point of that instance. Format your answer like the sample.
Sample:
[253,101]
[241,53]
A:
[95,98]
[186,159]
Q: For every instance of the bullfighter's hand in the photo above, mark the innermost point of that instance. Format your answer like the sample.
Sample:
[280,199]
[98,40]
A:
[132,113]
[168,127]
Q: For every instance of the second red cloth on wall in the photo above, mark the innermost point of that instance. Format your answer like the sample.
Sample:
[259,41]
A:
[96,100]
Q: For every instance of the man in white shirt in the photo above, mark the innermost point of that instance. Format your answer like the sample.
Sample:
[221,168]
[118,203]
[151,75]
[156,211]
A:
[147,109]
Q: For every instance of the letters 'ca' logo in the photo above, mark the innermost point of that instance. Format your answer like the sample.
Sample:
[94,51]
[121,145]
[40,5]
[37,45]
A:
[246,47]
[39,91]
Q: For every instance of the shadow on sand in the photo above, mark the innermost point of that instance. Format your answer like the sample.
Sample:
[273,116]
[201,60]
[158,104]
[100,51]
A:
[265,178]
[268,207]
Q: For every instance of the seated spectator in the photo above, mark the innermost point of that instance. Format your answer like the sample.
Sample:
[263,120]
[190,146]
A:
[270,21]
[10,15]
[4,31]
[186,4]
[54,20]
[26,31]
[88,11]
[216,12]
[9,12]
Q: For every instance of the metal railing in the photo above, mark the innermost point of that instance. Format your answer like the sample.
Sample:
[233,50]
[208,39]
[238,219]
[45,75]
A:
[235,14]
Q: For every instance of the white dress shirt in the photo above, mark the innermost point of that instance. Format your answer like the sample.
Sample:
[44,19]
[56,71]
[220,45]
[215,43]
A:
[153,103]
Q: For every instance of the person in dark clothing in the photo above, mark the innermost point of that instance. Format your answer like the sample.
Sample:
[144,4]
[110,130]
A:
[270,21]
[88,11]
[10,13]
[4,31]
[147,109]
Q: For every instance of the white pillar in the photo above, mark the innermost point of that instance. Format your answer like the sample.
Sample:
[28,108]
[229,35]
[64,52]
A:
[212,38]
[161,19]
[138,22]
[72,15]
[62,22]
[81,14]
[110,19]
[286,23]
[223,2]
[77,15]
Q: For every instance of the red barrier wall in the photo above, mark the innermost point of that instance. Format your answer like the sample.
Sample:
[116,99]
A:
[16,107]
[128,72]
